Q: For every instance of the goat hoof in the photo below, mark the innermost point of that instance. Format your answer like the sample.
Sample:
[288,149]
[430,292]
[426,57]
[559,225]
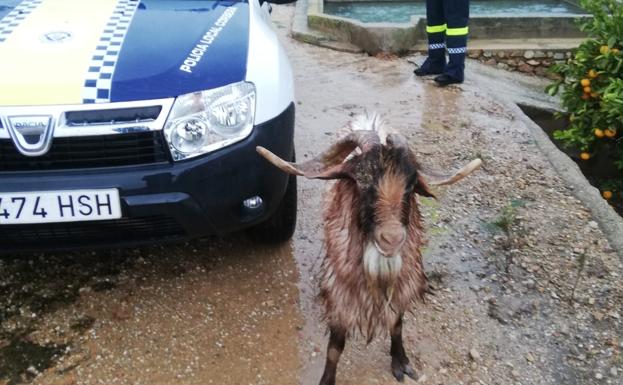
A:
[408,370]
[399,370]
[398,373]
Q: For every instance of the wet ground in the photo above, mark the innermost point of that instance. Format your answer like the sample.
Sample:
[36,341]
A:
[528,290]
[200,313]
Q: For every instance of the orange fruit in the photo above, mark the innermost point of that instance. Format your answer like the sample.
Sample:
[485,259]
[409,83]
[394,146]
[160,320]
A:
[610,133]
[599,133]
[607,194]
[585,82]
[604,49]
[594,95]
[585,96]
[587,90]
[592,74]
[585,156]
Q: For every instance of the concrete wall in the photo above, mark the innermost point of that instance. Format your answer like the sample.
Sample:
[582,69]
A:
[402,37]
[572,2]
[371,37]
[526,27]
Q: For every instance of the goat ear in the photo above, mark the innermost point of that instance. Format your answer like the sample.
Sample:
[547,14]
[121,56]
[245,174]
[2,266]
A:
[330,164]
[422,189]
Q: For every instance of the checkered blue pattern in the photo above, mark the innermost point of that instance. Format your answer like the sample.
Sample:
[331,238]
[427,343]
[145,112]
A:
[436,46]
[16,16]
[457,50]
[98,82]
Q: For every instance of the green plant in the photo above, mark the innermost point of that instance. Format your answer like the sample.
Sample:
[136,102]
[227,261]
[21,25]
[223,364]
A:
[506,218]
[591,85]
[505,222]
[580,262]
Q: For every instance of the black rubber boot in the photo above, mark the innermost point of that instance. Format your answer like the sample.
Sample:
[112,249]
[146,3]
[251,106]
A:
[431,66]
[444,80]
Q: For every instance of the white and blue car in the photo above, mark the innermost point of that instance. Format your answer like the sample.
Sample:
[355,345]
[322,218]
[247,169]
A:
[125,121]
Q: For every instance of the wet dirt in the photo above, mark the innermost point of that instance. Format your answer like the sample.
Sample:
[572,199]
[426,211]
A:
[22,359]
[219,311]
[229,311]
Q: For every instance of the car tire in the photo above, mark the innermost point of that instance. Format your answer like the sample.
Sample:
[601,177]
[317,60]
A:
[280,226]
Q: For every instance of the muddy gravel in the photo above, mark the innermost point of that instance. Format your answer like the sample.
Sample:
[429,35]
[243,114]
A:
[528,291]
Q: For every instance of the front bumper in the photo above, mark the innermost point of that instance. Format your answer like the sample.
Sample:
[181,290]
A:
[192,198]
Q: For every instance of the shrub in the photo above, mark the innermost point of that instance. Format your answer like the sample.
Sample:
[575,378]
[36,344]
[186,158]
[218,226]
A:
[592,88]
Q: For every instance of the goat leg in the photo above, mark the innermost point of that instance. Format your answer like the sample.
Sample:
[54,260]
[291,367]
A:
[400,362]
[337,340]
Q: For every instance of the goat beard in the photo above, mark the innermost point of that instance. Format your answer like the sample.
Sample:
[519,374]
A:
[381,271]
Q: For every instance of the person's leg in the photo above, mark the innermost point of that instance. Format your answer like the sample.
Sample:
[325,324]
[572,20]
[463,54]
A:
[457,16]
[435,30]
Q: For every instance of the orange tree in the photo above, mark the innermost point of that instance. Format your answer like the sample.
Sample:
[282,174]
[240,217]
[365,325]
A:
[591,85]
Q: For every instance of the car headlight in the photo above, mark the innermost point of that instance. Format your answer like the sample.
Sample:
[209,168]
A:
[208,120]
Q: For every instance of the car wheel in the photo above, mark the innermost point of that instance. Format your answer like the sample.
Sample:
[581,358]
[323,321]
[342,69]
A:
[280,226]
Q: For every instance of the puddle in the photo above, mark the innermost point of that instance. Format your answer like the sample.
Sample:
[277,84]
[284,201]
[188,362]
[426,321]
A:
[83,324]
[598,170]
[447,101]
[20,360]
[44,284]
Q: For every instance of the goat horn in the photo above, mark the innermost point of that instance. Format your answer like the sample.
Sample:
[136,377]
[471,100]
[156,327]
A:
[440,180]
[327,165]
[284,166]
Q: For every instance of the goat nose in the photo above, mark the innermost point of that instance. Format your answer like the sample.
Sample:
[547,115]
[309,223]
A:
[393,238]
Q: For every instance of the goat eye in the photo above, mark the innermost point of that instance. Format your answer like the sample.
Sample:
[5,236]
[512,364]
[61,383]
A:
[412,184]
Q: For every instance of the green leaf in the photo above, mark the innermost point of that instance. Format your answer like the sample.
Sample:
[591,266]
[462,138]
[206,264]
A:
[612,41]
[605,28]
[552,89]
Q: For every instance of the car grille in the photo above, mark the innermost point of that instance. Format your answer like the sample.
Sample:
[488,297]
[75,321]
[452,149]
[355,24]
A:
[77,234]
[112,116]
[89,152]
[91,135]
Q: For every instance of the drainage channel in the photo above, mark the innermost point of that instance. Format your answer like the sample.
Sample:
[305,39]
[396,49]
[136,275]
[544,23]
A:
[599,170]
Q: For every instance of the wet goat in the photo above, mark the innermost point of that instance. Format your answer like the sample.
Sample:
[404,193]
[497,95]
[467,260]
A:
[372,272]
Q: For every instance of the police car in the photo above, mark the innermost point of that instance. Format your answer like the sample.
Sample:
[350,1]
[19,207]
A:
[125,121]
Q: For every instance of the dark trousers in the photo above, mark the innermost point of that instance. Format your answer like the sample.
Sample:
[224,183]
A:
[447,29]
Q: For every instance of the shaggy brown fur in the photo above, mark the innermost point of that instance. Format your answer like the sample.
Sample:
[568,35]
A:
[350,303]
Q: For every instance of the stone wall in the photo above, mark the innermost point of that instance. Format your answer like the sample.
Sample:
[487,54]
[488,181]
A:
[527,61]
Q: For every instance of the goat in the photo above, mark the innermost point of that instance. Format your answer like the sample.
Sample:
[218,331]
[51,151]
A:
[372,272]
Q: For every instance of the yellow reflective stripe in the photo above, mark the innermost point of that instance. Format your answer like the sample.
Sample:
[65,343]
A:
[457,31]
[40,72]
[435,28]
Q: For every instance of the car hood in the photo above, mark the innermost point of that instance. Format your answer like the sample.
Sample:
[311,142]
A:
[76,51]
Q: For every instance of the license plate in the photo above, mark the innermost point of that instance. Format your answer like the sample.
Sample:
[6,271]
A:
[59,206]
